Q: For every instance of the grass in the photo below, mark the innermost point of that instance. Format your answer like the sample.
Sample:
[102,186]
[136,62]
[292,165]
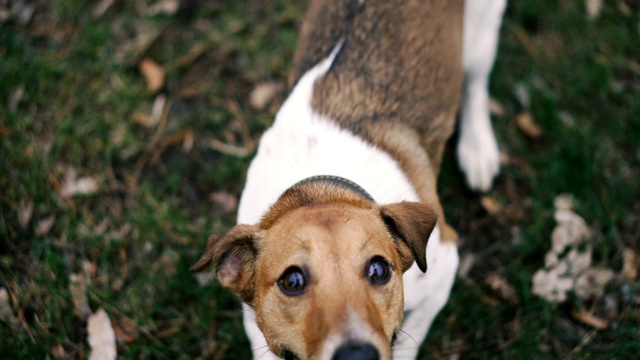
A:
[136,235]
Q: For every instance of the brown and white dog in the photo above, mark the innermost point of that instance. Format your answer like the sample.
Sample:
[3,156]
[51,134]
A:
[340,202]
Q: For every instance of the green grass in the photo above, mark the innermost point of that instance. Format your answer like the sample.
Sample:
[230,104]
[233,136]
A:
[151,214]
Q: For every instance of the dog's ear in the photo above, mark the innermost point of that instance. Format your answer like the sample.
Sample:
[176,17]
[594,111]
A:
[233,255]
[410,223]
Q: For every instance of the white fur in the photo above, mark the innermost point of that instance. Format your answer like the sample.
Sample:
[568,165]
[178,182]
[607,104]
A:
[478,153]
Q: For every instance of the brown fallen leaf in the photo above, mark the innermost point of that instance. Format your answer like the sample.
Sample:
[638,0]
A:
[125,330]
[167,7]
[45,225]
[466,263]
[25,210]
[502,288]
[102,337]
[226,201]
[78,289]
[153,74]
[589,319]
[490,204]
[101,8]
[15,98]
[629,267]
[528,126]
[495,108]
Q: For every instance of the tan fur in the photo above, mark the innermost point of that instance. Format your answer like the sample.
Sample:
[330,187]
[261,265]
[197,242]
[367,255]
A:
[396,80]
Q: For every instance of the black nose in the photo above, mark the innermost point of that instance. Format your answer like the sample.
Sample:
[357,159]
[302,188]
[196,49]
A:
[356,352]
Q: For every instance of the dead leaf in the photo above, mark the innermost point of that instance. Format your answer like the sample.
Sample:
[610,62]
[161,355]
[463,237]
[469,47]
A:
[205,278]
[226,201]
[495,108]
[22,11]
[6,312]
[85,185]
[188,141]
[564,202]
[466,263]
[101,8]
[25,211]
[528,126]
[233,150]
[568,262]
[591,283]
[589,319]
[263,93]
[167,7]
[153,74]
[57,351]
[522,95]
[502,288]
[594,8]
[125,330]
[629,268]
[102,337]
[78,289]
[491,205]
[45,225]
[15,98]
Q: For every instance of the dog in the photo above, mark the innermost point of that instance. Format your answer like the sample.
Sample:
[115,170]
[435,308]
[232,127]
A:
[342,241]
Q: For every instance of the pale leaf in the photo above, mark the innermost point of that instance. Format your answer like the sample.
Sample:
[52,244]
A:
[594,8]
[25,210]
[263,94]
[6,312]
[102,338]
[45,225]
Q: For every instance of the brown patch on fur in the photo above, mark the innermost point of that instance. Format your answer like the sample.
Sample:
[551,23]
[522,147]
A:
[396,81]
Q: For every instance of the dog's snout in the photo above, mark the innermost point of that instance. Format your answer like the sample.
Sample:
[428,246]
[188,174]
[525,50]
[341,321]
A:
[356,352]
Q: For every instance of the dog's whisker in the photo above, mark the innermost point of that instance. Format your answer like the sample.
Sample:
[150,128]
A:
[264,353]
[410,337]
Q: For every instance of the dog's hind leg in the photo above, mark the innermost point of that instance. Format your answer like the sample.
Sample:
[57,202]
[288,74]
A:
[477,150]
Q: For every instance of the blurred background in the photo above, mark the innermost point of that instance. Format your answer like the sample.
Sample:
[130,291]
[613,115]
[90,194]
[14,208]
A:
[126,128]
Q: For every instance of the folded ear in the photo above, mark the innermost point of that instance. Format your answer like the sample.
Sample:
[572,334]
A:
[410,223]
[233,255]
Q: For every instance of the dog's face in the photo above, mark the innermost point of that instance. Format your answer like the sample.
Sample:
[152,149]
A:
[325,281]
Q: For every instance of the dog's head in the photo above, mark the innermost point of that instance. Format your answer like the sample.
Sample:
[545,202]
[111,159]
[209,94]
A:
[324,275]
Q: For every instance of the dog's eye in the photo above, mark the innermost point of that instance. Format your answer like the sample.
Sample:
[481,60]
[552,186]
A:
[378,270]
[293,281]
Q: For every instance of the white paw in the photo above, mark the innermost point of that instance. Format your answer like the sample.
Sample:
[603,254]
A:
[478,157]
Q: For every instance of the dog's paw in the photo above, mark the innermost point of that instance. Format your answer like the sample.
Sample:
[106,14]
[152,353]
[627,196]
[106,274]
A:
[478,157]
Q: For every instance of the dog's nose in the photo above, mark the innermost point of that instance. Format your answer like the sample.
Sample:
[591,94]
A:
[356,352]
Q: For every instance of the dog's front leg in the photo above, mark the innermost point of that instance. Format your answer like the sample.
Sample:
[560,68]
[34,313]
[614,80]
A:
[478,153]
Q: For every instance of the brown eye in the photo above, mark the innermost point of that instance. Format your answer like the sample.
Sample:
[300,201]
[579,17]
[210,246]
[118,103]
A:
[378,271]
[293,281]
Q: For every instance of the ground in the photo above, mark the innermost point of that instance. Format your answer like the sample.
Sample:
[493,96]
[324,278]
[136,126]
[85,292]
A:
[110,185]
